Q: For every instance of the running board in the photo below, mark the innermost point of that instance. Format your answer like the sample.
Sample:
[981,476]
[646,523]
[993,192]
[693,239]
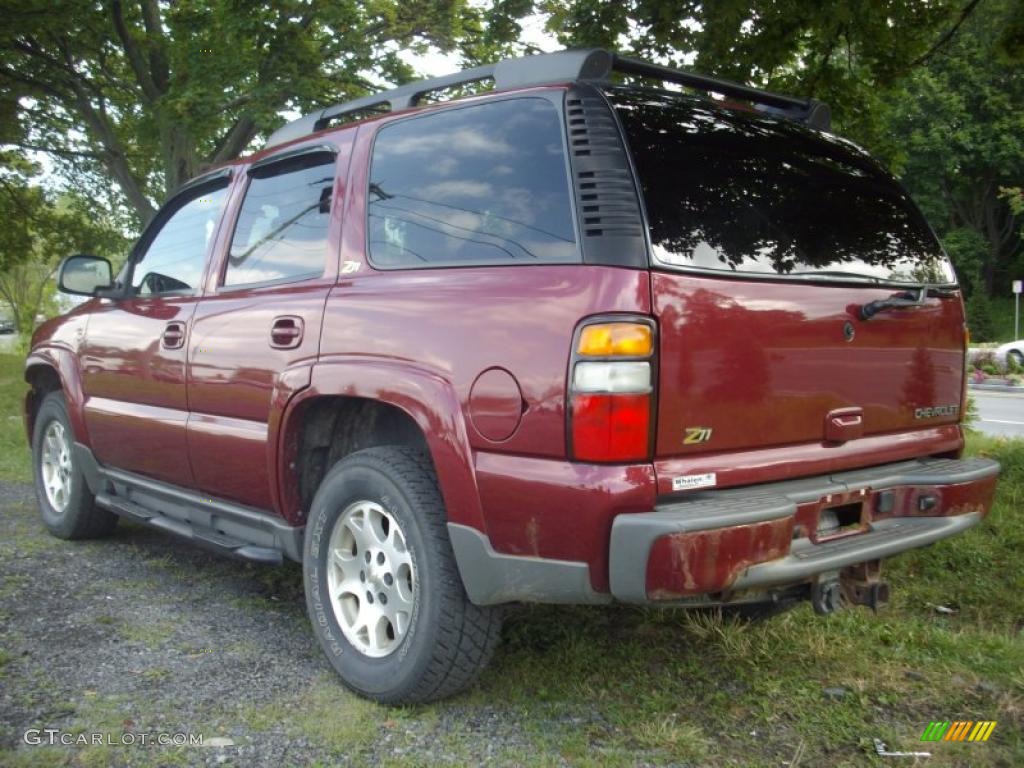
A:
[208,538]
[214,524]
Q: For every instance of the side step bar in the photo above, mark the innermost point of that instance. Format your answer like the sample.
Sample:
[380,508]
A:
[214,524]
[208,538]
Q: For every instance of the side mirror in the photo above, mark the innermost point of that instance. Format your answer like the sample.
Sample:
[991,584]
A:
[83,275]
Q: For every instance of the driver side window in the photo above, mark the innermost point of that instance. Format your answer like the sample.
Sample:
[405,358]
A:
[174,259]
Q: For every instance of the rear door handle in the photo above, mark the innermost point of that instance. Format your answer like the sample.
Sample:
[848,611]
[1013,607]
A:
[174,335]
[286,332]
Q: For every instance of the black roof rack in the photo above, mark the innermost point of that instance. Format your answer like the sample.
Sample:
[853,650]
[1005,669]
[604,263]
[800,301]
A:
[559,67]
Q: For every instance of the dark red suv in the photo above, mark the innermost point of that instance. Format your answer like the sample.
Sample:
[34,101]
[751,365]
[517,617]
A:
[571,340]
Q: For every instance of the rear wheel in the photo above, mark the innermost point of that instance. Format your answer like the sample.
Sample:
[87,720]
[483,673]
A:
[68,508]
[1017,356]
[382,587]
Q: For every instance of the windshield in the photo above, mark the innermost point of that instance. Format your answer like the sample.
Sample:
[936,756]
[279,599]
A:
[737,191]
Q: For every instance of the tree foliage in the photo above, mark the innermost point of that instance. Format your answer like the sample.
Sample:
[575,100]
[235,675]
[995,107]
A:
[136,96]
[144,93]
[850,53]
[957,139]
[40,229]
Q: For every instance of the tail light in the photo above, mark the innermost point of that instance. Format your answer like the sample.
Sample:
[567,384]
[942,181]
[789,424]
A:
[611,391]
[966,374]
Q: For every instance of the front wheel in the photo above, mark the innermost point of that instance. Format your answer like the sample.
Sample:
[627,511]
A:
[68,508]
[382,587]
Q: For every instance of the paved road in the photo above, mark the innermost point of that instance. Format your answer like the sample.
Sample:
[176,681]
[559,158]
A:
[1000,413]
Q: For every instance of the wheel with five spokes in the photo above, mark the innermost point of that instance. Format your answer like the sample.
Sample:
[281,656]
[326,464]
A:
[68,508]
[382,588]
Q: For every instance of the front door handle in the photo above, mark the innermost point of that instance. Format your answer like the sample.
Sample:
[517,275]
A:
[174,335]
[286,332]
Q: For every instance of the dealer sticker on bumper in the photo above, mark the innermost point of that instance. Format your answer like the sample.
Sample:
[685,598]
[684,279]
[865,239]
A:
[687,482]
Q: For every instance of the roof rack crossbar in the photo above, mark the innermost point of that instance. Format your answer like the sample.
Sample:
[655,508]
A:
[559,67]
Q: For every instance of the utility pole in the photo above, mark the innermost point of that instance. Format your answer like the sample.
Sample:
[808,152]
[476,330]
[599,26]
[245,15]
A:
[1016,308]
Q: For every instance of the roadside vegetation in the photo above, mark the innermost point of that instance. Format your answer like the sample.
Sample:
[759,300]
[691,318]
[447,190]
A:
[579,686]
[15,461]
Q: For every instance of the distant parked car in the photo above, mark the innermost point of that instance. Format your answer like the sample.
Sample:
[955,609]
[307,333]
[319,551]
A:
[6,327]
[1012,350]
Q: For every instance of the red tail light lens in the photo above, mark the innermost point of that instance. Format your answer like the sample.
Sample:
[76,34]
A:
[611,427]
[611,392]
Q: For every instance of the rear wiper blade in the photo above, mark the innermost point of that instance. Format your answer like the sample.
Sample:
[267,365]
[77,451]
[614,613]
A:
[901,299]
[845,275]
[904,299]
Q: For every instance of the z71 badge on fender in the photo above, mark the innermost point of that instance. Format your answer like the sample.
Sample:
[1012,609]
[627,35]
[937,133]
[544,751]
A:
[936,410]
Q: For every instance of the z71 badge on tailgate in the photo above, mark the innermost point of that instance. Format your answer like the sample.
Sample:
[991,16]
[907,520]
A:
[695,435]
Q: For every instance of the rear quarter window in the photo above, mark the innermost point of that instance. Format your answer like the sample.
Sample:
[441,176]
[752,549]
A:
[475,185]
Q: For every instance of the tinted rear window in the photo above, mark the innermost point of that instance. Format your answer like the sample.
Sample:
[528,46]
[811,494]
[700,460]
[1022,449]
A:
[482,184]
[739,192]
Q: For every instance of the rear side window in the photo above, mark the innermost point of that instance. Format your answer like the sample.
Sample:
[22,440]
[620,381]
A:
[484,184]
[736,192]
[281,234]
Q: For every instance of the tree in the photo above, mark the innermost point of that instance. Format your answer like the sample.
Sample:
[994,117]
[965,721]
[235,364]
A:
[957,138]
[39,231]
[145,94]
[1014,197]
[851,54]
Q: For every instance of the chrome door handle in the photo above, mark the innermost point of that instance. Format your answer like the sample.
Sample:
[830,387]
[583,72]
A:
[174,335]
[286,332]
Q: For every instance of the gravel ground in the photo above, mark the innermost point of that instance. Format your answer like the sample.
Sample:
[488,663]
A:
[142,633]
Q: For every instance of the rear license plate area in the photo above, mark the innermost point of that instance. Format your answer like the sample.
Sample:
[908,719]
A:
[841,516]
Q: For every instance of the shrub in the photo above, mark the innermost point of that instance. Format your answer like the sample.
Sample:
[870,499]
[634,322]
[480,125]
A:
[979,316]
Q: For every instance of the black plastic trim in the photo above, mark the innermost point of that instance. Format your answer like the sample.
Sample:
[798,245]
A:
[612,229]
[231,528]
[291,154]
[569,66]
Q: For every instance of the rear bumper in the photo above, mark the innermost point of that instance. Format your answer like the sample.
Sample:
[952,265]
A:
[720,544]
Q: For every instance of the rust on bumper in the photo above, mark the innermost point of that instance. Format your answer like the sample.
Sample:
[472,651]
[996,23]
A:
[767,536]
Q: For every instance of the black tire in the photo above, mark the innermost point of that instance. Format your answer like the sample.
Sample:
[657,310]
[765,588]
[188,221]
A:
[449,640]
[1017,356]
[80,518]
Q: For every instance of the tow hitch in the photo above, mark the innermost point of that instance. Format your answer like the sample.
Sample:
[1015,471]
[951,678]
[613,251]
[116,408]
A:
[826,596]
[857,585]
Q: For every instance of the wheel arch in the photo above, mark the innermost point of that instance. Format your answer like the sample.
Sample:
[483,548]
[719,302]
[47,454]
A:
[352,405]
[52,369]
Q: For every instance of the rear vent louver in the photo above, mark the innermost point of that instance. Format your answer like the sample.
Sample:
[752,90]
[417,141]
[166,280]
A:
[606,197]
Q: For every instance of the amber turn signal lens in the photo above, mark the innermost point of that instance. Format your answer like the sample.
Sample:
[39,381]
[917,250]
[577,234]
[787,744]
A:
[616,339]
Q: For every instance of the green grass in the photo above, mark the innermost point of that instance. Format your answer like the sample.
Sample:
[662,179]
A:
[15,460]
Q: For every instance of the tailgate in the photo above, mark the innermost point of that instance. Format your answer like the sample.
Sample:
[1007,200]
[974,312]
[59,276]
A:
[759,364]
